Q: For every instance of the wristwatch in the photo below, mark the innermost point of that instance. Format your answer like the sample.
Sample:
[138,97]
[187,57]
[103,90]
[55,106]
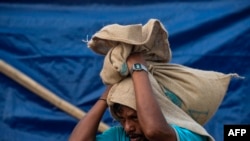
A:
[138,67]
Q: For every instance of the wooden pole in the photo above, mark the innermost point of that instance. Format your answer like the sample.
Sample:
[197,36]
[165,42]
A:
[44,93]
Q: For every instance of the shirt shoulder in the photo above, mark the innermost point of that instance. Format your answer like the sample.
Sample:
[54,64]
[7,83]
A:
[187,135]
[115,133]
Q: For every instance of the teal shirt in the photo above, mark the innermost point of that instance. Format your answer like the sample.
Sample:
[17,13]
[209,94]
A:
[117,133]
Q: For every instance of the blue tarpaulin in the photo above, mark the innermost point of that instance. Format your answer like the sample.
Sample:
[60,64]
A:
[44,41]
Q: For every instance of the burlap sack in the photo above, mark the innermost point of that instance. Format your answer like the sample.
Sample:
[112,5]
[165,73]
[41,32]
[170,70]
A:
[123,93]
[197,92]
[188,97]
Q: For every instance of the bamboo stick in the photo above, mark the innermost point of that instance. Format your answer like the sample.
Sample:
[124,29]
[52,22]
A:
[44,93]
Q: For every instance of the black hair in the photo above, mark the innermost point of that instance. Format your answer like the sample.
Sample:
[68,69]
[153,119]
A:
[117,108]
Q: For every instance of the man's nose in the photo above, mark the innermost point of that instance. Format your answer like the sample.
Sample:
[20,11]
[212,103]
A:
[129,126]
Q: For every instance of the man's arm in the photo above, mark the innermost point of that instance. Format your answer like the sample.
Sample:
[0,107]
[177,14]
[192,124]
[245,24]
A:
[87,127]
[150,117]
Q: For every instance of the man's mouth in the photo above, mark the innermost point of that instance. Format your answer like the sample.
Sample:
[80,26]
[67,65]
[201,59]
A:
[135,137]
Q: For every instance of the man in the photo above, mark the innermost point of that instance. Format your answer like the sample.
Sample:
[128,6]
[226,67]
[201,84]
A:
[146,123]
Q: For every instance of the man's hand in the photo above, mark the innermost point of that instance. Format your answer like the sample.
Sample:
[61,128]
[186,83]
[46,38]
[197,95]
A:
[105,93]
[87,127]
[135,58]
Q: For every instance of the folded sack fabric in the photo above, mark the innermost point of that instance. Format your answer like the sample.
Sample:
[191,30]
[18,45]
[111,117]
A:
[152,38]
[116,42]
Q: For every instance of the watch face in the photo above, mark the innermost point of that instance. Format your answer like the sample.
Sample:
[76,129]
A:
[137,66]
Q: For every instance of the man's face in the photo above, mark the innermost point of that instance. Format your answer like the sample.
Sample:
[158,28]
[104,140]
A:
[129,121]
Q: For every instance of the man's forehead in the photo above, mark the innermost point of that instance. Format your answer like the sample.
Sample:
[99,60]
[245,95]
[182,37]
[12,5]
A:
[127,110]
